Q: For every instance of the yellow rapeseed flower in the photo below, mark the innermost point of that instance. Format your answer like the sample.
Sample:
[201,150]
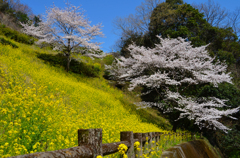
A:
[122,148]
[51,143]
[136,144]
[4,111]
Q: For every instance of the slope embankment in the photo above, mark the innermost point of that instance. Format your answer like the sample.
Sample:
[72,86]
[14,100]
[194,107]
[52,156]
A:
[192,149]
[42,106]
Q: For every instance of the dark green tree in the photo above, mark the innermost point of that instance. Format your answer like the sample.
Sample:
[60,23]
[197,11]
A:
[3,6]
[174,3]
[139,39]
[186,22]
[21,17]
[36,21]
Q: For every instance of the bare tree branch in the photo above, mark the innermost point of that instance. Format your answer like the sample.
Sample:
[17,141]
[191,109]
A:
[213,13]
[219,17]
[137,23]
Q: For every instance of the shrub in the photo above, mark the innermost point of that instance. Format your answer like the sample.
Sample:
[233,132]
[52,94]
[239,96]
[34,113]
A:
[15,35]
[7,42]
[87,69]
[230,143]
[108,59]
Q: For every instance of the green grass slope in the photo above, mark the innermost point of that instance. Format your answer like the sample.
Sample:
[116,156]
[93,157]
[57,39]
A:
[42,106]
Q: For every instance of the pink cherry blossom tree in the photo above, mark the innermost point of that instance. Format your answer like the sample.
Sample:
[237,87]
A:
[67,29]
[175,63]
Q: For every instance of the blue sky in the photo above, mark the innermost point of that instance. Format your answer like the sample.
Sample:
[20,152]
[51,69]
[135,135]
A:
[104,11]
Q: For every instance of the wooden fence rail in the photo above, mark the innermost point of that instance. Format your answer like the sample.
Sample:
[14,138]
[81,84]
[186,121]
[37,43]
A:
[90,145]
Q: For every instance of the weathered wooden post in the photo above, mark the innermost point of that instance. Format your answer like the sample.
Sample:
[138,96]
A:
[154,139]
[139,137]
[145,135]
[157,138]
[128,136]
[92,138]
[150,139]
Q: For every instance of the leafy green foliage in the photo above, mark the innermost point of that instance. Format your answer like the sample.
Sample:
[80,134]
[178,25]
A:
[230,143]
[174,3]
[186,22]
[21,17]
[108,59]
[15,35]
[87,69]
[224,91]
[140,40]
[4,7]
[7,42]
[183,21]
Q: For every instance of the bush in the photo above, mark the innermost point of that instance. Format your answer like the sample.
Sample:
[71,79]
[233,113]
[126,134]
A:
[108,60]
[7,42]
[230,143]
[87,69]
[15,35]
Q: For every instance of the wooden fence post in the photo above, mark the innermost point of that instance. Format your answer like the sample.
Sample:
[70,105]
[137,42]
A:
[150,139]
[145,135]
[154,139]
[90,144]
[139,137]
[128,136]
[157,137]
[92,138]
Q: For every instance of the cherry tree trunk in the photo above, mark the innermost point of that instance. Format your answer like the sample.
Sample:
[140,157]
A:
[68,62]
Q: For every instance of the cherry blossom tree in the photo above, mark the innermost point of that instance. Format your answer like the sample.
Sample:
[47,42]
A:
[67,30]
[175,63]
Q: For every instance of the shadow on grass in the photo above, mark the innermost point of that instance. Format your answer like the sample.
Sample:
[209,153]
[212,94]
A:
[59,60]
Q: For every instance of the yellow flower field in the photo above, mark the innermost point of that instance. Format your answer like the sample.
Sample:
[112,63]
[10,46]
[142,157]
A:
[42,107]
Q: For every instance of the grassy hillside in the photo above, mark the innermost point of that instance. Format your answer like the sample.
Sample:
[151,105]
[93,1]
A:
[42,106]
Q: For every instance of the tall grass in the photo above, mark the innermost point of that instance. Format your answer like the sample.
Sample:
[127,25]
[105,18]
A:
[42,106]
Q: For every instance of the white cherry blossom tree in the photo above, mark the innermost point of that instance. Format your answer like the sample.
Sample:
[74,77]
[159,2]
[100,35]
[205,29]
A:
[175,63]
[66,29]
